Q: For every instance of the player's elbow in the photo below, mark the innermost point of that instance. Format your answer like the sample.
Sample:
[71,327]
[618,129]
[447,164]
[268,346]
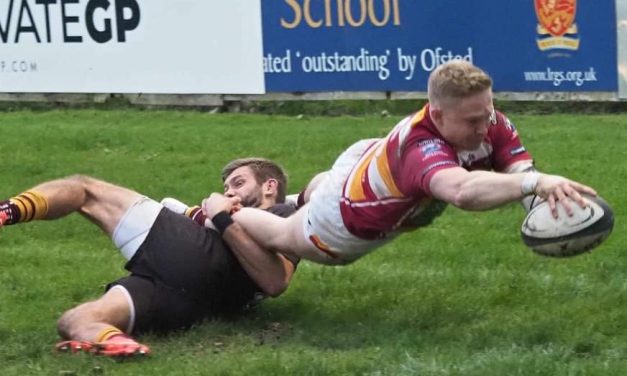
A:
[464,199]
[460,194]
[462,202]
[275,288]
[277,285]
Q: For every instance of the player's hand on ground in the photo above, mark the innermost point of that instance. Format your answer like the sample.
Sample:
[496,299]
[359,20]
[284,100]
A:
[217,202]
[555,188]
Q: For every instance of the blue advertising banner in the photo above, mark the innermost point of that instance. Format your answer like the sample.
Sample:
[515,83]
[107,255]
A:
[393,45]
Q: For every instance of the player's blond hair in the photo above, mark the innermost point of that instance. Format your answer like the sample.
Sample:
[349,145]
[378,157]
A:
[263,169]
[454,80]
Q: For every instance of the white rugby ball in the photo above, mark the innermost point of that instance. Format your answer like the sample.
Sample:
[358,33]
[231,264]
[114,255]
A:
[567,235]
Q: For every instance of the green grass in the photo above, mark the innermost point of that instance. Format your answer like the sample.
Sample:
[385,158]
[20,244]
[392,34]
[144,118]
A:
[461,297]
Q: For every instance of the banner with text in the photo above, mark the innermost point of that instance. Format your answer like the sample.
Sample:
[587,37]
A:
[131,46]
[393,45]
[621,15]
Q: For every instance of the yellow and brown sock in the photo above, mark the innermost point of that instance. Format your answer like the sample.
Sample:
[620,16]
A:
[110,332]
[24,207]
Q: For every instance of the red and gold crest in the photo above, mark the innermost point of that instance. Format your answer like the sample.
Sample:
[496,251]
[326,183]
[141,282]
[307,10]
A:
[556,16]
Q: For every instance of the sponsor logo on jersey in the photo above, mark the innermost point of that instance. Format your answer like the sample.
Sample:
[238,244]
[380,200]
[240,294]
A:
[556,24]
[432,166]
[429,149]
[431,141]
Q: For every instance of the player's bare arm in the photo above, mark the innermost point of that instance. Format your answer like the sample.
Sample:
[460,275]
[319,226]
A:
[483,190]
[475,190]
[271,271]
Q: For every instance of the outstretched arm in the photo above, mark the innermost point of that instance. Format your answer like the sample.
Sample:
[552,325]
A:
[483,190]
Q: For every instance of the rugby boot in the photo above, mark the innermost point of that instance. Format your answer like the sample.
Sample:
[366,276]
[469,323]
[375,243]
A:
[120,346]
[73,346]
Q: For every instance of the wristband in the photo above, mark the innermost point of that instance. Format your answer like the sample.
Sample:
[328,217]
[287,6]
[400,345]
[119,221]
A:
[529,183]
[222,220]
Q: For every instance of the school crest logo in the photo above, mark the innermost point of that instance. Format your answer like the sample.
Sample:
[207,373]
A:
[556,24]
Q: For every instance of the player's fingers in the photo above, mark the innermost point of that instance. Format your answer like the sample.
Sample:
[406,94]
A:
[552,205]
[562,197]
[566,203]
[575,196]
[584,189]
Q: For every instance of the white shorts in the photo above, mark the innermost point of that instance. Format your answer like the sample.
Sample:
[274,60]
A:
[134,226]
[323,224]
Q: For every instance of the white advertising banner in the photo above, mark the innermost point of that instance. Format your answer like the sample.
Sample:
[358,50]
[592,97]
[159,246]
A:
[621,14]
[131,46]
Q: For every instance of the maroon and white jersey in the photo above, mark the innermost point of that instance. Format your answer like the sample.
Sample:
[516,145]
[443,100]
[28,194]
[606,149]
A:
[388,188]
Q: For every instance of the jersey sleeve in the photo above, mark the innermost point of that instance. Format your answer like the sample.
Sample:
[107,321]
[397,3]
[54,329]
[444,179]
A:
[422,160]
[507,147]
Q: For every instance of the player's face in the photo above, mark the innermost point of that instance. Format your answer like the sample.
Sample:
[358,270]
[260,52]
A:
[242,183]
[465,123]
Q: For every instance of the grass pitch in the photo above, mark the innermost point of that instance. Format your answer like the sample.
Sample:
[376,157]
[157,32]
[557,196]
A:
[461,297]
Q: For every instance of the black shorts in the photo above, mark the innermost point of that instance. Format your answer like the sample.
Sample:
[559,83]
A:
[181,274]
[158,307]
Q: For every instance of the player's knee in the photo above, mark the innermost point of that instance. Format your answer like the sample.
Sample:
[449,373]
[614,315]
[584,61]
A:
[82,180]
[93,191]
[81,184]
[78,178]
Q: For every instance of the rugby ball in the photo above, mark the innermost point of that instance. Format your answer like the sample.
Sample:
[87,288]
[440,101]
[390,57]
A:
[567,235]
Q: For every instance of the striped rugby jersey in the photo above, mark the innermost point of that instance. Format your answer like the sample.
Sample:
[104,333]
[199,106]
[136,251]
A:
[388,188]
